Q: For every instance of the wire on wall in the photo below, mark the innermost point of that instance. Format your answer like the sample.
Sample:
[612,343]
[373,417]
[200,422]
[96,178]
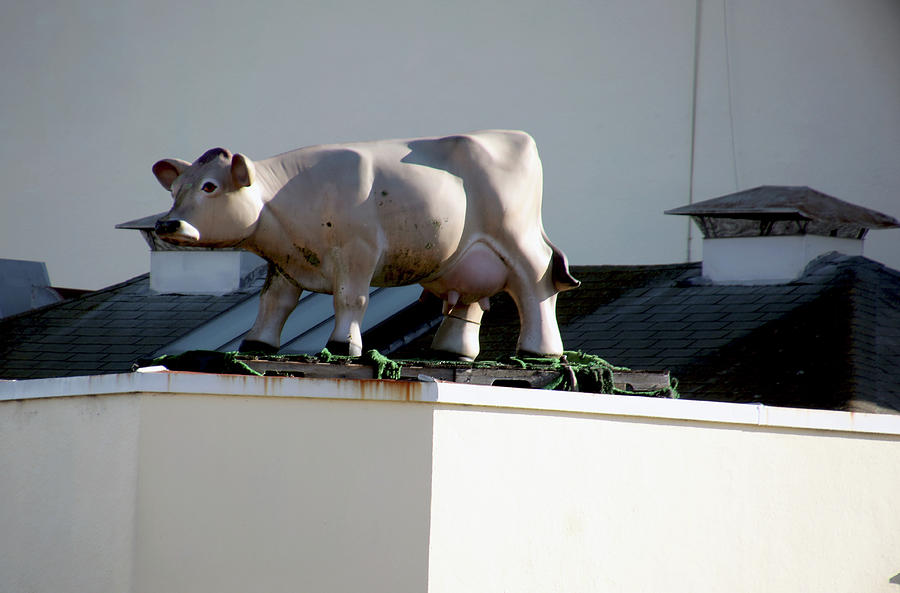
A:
[728,79]
[697,16]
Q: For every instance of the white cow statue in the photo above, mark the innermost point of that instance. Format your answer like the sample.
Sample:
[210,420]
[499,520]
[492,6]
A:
[459,215]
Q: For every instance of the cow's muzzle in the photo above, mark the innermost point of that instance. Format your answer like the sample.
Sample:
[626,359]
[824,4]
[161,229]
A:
[167,227]
[176,231]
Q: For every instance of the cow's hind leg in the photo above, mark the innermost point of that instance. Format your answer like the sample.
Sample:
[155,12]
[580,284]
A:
[459,332]
[539,331]
[534,291]
[276,302]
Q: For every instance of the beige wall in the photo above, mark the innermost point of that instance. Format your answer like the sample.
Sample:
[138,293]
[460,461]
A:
[548,502]
[68,483]
[250,494]
[190,483]
[800,92]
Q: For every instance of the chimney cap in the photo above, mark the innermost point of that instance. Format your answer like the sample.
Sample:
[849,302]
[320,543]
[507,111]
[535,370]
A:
[147,224]
[783,210]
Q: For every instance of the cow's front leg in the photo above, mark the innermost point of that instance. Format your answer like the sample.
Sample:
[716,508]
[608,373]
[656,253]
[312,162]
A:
[349,308]
[355,267]
[278,299]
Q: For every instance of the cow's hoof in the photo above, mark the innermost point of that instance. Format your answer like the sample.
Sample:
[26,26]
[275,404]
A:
[257,346]
[433,354]
[338,348]
[529,354]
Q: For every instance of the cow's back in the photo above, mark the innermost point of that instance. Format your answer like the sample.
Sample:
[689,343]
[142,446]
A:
[478,153]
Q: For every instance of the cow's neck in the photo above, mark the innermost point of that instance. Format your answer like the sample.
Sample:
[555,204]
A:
[275,173]
[283,246]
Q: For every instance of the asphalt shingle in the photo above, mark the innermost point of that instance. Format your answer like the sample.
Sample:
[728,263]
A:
[104,331]
[831,339]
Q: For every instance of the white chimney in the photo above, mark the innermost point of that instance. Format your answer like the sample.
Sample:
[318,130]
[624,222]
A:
[768,235]
[192,270]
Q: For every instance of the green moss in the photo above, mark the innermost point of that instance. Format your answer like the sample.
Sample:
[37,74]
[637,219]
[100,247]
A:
[577,371]
[385,368]
[205,361]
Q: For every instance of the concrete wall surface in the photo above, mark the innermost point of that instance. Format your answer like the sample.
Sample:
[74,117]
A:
[636,107]
[188,482]
[68,484]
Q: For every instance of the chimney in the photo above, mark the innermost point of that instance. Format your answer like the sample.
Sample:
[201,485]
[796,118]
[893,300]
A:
[768,235]
[192,270]
[24,285]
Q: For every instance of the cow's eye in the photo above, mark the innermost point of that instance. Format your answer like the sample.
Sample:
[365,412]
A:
[209,187]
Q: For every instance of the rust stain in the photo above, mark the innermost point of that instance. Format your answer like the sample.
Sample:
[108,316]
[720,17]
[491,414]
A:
[273,386]
[387,390]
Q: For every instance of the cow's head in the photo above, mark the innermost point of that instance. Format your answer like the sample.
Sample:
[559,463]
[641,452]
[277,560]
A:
[216,204]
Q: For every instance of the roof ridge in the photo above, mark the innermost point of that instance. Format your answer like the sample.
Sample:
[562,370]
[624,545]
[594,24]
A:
[878,266]
[843,261]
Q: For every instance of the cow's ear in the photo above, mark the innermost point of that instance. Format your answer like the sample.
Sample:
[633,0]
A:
[168,170]
[242,170]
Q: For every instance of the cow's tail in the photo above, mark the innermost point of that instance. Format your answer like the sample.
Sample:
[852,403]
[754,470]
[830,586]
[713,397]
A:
[559,268]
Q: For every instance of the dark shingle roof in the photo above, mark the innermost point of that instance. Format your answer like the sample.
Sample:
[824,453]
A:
[600,285]
[103,332]
[831,339]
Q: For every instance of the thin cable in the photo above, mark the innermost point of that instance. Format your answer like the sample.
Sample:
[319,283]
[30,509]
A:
[730,93]
[697,14]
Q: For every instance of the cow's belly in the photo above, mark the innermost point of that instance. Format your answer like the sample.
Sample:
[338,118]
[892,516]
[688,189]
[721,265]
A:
[422,219]
[417,255]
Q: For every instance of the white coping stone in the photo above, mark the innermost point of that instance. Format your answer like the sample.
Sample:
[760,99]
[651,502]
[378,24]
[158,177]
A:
[440,392]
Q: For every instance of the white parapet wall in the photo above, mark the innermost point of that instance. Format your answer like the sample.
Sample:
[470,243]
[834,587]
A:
[174,482]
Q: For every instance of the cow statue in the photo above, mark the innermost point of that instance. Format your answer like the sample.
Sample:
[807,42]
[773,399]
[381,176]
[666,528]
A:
[459,215]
